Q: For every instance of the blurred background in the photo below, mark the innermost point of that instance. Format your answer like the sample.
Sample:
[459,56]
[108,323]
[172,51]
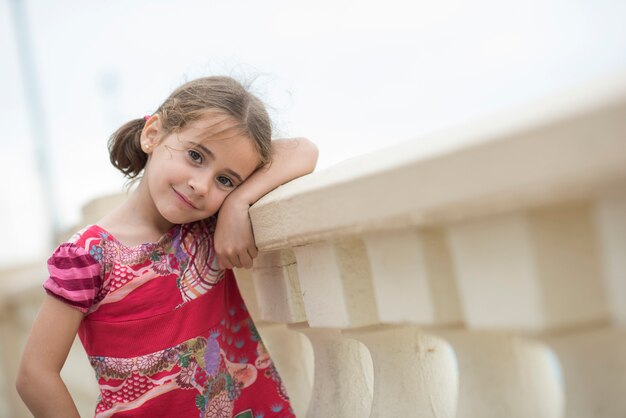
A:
[352,76]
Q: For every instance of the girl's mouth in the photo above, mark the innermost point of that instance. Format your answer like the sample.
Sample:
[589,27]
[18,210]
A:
[183,199]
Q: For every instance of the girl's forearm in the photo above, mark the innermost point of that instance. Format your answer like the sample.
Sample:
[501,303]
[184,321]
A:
[291,158]
[39,381]
[46,396]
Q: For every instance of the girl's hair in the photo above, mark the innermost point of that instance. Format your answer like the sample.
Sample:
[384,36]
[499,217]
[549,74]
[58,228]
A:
[186,104]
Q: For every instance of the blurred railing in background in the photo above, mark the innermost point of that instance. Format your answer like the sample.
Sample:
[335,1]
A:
[485,281]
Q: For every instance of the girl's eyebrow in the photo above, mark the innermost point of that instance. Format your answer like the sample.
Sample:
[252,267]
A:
[210,154]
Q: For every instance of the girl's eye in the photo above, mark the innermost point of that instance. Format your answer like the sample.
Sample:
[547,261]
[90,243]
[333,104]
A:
[225,181]
[195,156]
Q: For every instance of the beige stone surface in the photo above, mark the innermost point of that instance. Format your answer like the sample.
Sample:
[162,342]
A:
[593,364]
[415,374]
[506,375]
[94,210]
[413,277]
[530,271]
[343,379]
[335,280]
[277,287]
[561,148]
[292,353]
[610,217]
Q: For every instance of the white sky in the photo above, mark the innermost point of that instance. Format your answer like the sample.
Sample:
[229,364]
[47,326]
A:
[352,76]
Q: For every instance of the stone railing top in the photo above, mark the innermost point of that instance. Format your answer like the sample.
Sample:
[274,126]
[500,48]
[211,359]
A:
[562,148]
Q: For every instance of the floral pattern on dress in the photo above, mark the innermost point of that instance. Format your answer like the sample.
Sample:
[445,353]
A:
[96,252]
[220,407]
[137,375]
[198,364]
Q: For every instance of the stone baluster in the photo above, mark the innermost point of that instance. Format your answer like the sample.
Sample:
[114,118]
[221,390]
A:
[354,284]
[593,358]
[413,285]
[502,374]
[525,274]
[413,277]
[343,375]
[610,217]
[273,297]
[415,373]
[277,289]
[334,280]
[24,294]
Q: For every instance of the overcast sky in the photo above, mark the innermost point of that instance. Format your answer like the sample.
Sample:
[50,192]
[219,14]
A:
[352,76]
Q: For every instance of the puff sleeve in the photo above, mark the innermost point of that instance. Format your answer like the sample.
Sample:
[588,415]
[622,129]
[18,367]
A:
[75,276]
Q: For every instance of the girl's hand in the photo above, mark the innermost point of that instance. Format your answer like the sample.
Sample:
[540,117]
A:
[234,239]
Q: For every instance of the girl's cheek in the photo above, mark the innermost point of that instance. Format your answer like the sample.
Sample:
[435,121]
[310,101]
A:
[219,198]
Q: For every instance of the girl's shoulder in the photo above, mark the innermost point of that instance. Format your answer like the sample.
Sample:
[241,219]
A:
[75,269]
[85,247]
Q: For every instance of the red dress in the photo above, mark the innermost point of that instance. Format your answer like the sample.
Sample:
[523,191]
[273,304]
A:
[166,331]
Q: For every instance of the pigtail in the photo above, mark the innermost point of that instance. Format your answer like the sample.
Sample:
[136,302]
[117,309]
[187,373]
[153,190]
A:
[125,148]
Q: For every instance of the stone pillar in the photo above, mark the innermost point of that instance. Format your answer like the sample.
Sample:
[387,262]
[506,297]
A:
[343,375]
[593,357]
[531,271]
[336,291]
[414,283]
[351,285]
[610,217]
[593,361]
[503,374]
[271,294]
[536,274]
[415,373]
[413,277]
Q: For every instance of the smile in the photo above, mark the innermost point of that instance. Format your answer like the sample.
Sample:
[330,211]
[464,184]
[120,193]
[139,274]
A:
[184,200]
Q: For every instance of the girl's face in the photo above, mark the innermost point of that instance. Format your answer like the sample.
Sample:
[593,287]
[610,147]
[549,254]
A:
[189,173]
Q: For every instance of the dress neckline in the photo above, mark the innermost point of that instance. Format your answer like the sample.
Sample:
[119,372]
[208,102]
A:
[163,239]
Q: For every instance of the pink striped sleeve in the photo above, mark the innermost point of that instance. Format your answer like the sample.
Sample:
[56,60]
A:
[74,276]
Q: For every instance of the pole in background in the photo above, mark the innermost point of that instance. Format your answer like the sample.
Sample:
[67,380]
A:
[36,114]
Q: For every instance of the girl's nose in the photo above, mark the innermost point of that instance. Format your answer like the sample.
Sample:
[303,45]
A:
[200,185]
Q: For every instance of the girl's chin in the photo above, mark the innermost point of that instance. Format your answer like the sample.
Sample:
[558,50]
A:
[178,220]
[175,215]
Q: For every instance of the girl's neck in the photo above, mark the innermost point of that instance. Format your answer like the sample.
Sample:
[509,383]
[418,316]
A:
[136,220]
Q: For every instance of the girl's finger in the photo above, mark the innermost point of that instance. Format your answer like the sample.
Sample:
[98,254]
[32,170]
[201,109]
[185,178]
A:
[245,260]
[224,263]
[253,251]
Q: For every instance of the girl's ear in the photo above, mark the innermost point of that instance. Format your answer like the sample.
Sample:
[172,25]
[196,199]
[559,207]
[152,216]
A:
[150,134]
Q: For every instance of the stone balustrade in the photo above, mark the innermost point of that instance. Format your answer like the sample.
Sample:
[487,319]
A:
[483,281]
[487,280]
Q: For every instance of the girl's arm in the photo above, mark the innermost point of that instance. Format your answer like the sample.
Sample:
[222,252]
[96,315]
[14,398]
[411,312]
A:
[39,381]
[234,240]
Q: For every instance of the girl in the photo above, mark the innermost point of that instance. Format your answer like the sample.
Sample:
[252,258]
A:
[149,288]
